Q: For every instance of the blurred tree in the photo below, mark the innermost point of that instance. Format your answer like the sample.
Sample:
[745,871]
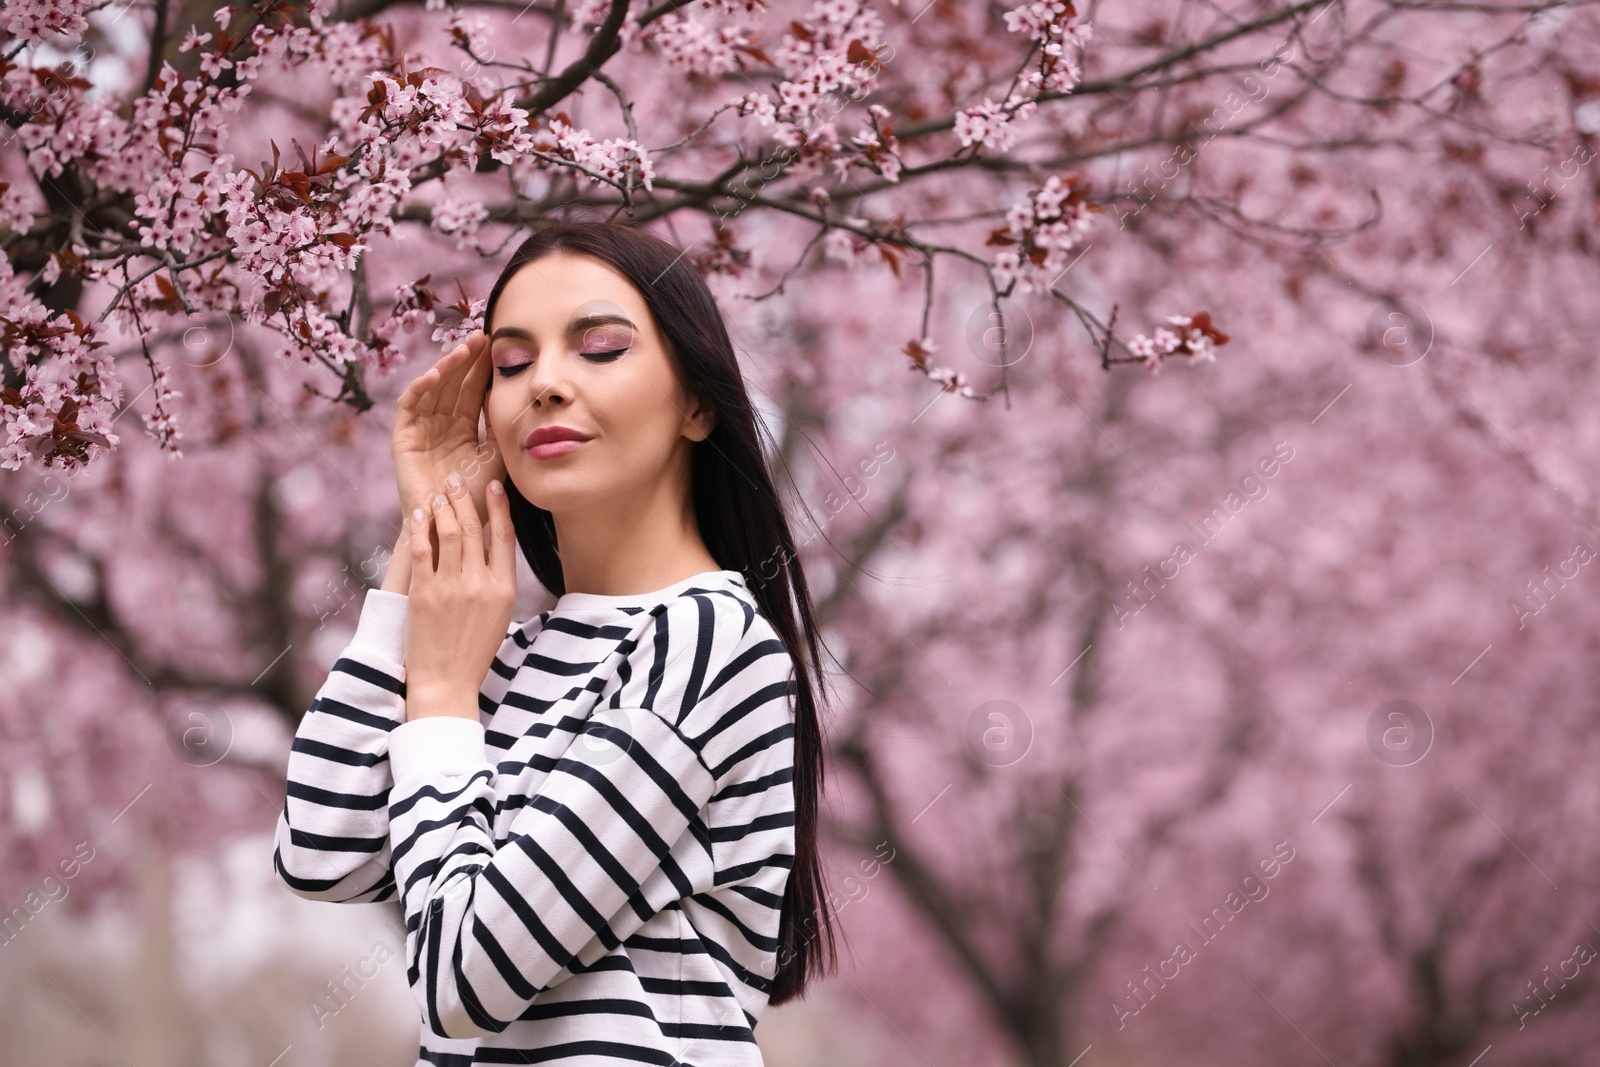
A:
[1391,206]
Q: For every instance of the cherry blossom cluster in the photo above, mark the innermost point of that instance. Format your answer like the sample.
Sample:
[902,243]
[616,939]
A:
[879,150]
[832,56]
[1056,25]
[274,245]
[589,15]
[163,153]
[620,161]
[1040,231]
[689,46]
[467,316]
[1193,336]
[183,227]
[817,59]
[36,21]
[995,126]
[951,381]
[847,247]
[59,413]
[707,40]
[61,416]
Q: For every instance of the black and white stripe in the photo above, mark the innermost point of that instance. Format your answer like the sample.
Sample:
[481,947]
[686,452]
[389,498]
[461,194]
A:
[590,871]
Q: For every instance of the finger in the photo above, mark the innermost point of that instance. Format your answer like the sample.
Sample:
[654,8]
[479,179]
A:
[410,404]
[444,520]
[421,547]
[487,464]
[465,513]
[413,392]
[502,535]
[453,369]
[433,384]
[469,402]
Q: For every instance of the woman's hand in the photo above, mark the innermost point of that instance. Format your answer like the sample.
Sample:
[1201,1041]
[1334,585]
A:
[436,430]
[457,612]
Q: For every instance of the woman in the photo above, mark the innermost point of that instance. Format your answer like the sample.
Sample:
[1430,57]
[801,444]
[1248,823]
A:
[600,822]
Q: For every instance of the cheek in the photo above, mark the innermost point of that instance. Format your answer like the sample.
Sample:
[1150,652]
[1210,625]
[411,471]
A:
[499,412]
[639,417]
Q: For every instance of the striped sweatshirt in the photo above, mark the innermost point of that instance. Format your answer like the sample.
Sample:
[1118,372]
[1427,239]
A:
[592,871]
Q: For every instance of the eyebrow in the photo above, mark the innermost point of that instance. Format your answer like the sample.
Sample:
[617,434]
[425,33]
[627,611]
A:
[584,322]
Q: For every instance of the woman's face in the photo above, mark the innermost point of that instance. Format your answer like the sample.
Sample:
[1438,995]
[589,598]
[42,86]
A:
[573,345]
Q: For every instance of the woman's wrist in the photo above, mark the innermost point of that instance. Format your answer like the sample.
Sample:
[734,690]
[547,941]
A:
[427,698]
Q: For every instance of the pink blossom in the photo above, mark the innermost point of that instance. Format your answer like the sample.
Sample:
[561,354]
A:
[987,124]
[759,104]
[36,21]
[452,334]
[193,39]
[213,63]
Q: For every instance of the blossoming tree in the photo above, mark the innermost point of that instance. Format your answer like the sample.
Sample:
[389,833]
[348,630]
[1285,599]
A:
[137,207]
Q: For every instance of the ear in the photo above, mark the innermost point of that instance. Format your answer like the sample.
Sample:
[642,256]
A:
[702,418]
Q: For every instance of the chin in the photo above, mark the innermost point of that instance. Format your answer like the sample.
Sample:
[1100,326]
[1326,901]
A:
[554,491]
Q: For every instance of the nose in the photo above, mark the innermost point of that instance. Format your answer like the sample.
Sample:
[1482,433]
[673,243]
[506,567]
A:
[548,382]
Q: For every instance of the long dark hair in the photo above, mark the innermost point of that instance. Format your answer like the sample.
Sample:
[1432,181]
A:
[741,521]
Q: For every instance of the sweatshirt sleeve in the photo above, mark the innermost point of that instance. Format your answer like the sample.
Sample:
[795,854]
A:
[614,833]
[332,837]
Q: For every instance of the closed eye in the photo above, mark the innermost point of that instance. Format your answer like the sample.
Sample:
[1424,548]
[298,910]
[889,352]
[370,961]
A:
[593,357]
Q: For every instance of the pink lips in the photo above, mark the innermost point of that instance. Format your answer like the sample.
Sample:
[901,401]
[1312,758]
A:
[554,449]
[548,442]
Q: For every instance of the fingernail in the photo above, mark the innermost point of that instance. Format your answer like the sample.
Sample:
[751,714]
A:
[440,501]
[416,513]
[495,488]
[453,480]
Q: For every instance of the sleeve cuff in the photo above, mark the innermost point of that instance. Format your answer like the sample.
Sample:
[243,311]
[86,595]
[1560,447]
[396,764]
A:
[382,626]
[424,750]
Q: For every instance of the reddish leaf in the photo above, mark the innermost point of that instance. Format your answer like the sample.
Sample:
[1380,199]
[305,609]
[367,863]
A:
[81,436]
[856,52]
[1202,322]
[416,78]
[891,257]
